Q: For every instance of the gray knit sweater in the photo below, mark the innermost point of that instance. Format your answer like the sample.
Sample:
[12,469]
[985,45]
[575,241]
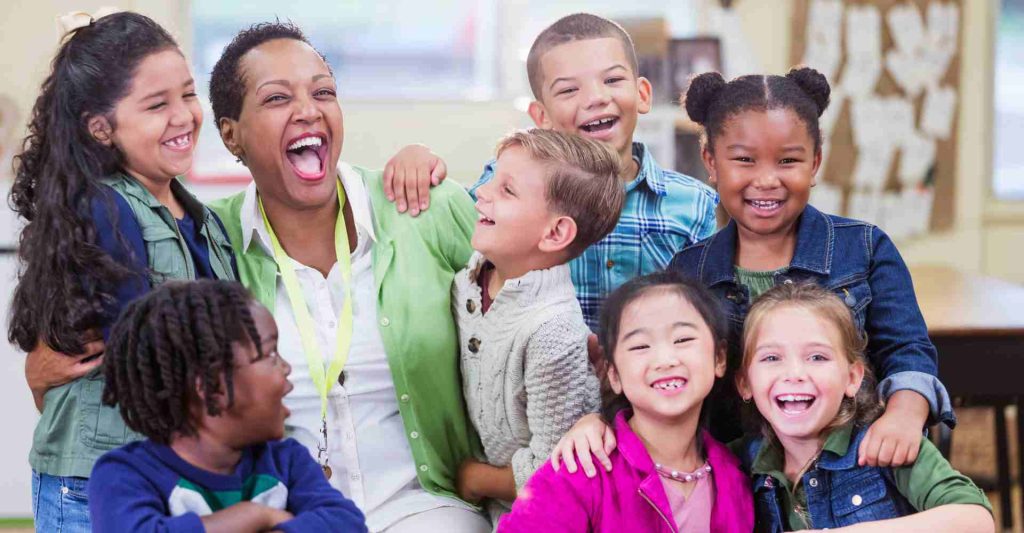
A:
[525,371]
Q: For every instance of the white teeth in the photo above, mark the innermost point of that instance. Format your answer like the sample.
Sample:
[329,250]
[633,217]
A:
[669,385]
[765,204]
[795,398]
[600,121]
[306,141]
[180,141]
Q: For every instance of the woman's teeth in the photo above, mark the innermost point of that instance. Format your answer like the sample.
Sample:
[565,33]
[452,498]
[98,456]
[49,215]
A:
[306,141]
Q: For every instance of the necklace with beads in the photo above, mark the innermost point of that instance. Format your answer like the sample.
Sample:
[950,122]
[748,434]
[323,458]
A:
[684,477]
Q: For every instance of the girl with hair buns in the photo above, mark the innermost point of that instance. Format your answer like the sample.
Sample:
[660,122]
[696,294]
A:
[761,146]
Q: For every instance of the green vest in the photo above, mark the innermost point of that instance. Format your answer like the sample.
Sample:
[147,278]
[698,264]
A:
[414,263]
[75,428]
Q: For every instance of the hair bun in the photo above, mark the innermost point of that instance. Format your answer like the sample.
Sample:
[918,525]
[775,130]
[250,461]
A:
[701,93]
[814,84]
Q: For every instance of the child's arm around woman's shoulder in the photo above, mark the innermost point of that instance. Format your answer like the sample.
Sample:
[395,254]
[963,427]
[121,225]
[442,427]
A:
[903,356]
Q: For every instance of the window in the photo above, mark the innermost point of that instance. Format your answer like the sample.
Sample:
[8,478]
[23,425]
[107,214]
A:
[1008,166]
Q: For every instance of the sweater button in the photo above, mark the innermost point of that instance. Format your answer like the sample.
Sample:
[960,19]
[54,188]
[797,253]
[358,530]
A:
[404,398]
[470,306]
[385,321]
[414,435]
[474,345]
[424,468]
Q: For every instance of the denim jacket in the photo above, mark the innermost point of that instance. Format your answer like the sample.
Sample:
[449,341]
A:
[861,265]
[839,492]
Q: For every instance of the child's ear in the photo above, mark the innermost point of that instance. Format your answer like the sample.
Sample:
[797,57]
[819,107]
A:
[613,379]
[743,387]
[816,166]
[709,164]
[559,236]
[539,114]
[646,92]
[99,128]
[856,378]
[229,136]
[720,363]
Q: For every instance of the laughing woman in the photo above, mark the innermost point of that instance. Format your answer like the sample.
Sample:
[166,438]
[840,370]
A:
[360,293]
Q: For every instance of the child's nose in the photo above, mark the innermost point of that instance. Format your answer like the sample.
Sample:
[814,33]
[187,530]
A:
[795,370]
[597,96]
[483,193]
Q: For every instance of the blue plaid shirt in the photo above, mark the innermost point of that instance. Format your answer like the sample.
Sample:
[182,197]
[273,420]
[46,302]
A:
[665,212]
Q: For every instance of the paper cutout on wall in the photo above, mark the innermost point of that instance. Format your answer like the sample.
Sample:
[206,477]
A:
[824,30]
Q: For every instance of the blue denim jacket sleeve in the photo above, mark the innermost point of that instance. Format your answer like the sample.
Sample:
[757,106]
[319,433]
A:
[485,176]
[898,342]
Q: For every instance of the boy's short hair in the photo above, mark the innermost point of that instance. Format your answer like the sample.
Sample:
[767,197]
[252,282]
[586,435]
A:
[582,181]
[575,27]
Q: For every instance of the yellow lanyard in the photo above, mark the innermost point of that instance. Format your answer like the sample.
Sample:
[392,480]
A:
[324,375]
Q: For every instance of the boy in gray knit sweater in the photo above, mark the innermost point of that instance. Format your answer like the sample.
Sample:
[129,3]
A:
[525,372]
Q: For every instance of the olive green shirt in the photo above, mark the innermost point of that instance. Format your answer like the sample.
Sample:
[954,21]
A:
[928,483]
[757,282]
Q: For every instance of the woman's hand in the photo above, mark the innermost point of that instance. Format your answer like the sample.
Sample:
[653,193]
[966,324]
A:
[46,368]
[589,437]
[895,438]
[408,176]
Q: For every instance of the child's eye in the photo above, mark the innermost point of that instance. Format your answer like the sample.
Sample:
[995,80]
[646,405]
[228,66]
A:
[567,90]
[769,358]
[156,106]
[743,159]
[789,161]
[818,357]
[508,190]
[614,79]
[637,347]
[683,340]
[190,95]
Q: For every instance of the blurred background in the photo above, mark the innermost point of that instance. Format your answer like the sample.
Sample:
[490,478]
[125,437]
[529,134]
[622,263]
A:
[451,74]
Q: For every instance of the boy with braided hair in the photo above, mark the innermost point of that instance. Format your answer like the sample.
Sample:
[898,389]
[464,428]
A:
[194,367]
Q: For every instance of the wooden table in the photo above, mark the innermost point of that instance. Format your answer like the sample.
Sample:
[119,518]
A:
[977,325]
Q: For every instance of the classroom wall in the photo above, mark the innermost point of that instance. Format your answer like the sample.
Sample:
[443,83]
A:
[983,238]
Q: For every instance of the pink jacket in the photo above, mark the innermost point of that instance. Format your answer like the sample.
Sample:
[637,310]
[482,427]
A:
[628,499]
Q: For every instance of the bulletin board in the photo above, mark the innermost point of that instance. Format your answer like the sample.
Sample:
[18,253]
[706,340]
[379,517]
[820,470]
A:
[890,149]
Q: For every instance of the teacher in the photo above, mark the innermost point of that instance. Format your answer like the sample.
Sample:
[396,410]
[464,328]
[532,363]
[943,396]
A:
[361,294]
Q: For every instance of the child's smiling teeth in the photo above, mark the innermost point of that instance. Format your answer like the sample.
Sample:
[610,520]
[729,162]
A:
[599,124]
[794,403]
[181,141]
[765,204]
[669,384]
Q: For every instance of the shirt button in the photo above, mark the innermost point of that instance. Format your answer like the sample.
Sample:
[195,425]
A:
[474,344]
[404,398]
[610,263]
[414,434]
[424,468]
[385,322]
[330,324]
[856,500]
[470,306]
[355,477]
[813,482]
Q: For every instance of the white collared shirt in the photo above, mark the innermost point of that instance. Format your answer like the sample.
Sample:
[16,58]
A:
[367,443]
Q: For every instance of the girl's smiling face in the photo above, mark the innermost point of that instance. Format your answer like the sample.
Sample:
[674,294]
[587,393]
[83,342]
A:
[157,122]
[665,359]
[763,165]
[798,373]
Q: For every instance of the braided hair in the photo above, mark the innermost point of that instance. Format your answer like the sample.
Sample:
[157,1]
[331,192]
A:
[710,100]
[172,347]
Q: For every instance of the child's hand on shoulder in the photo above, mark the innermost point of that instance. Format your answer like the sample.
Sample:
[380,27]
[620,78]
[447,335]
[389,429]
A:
[408,176]
[895,438]
[589,437]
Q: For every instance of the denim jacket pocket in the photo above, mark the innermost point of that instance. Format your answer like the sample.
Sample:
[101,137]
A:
[856,296]
[165,256]
[100,426]
[860,496]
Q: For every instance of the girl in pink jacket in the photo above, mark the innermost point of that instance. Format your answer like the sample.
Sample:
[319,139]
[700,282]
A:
[664,340]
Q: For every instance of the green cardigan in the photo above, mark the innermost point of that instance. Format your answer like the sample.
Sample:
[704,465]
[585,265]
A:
[414,263]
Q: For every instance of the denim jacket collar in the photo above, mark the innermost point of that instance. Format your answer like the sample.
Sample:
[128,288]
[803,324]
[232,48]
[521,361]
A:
[840,450]
[814,243]
[192,206]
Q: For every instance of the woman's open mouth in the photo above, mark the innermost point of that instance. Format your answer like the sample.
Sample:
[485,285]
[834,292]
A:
[307,154]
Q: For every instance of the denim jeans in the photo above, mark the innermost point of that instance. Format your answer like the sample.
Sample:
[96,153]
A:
[60,504]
